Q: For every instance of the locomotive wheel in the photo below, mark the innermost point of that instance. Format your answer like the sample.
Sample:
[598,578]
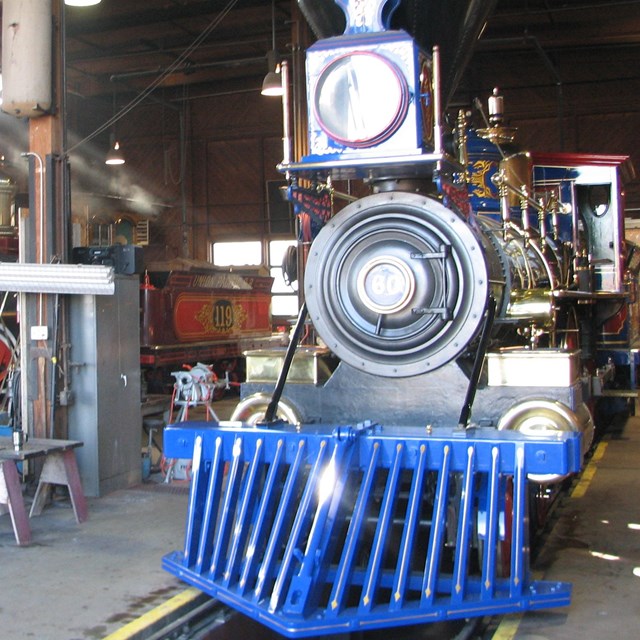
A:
[540,416]
[396,284]
[253,408]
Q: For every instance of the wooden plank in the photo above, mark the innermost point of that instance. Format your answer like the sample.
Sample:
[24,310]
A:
[35,447]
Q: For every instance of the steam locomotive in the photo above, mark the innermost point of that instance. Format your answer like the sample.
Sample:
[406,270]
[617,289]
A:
[190,315]
[380,473]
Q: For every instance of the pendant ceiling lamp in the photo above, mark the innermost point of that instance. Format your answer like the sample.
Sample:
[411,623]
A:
[114,156]
[81,3]
[272,83]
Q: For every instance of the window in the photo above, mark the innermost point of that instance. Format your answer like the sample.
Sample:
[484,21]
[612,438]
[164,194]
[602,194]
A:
[248,254]
[284,301]
[237,254]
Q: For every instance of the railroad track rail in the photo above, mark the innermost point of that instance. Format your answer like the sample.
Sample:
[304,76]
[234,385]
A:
[205,618]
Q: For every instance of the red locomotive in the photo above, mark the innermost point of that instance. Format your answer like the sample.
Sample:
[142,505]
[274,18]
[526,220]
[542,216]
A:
[201,315]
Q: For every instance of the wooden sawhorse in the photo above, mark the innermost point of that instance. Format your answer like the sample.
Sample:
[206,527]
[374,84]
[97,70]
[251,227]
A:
[60,467]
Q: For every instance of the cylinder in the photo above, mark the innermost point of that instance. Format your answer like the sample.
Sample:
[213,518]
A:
[26,57]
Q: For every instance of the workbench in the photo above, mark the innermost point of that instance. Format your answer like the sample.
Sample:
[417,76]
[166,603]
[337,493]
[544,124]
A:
[60,467]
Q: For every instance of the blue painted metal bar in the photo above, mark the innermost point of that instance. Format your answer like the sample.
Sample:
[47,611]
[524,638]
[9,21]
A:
[226,515]
[210,512]
[372,577]
[491,537]
[464,532]
[352,538]
[330,529]
[192,533]
[437,532]
[520,542]
[265,508]
[303,513]
[411,520]
[267,566]
[329,493]
[242,519]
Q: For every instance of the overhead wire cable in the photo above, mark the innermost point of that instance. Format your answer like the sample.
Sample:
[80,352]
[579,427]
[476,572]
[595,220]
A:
[179,61]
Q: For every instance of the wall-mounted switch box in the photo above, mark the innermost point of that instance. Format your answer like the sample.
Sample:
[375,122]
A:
[40,333]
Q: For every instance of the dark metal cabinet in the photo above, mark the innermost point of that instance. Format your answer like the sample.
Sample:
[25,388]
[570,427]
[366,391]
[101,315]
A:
[105,379]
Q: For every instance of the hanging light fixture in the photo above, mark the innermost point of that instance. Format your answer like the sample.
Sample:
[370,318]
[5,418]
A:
[114,156]
[272,83]
[81,3]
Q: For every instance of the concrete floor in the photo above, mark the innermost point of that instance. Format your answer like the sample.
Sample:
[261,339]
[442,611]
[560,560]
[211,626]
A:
[79,581]
[84,581]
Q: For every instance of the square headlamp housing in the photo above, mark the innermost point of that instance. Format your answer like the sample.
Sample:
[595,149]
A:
[369,95]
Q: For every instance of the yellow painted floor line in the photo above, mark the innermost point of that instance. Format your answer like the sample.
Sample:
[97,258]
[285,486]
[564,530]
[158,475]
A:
[590,471]
[508,627]
[155,615]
